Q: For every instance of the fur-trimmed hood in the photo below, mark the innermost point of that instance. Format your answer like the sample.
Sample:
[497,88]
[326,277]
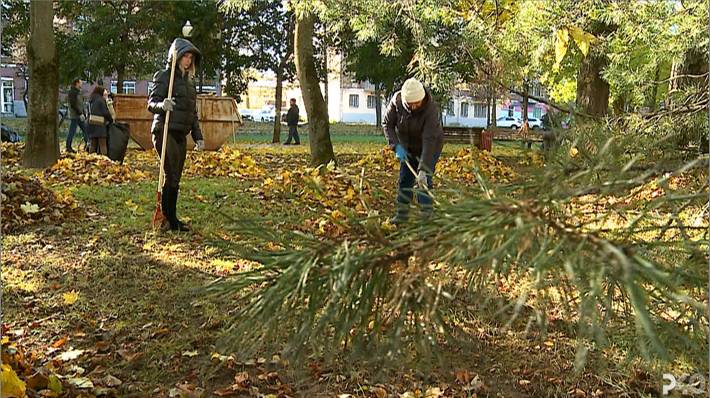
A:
[183,46]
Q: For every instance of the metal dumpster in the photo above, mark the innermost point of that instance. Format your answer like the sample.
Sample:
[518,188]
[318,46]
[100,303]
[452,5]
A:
[219,119]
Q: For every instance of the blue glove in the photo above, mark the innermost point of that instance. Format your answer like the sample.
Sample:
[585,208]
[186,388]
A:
[400,152]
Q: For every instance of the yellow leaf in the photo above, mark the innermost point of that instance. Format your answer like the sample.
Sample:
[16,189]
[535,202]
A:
[582,38]
[573,151]
[561,44]
[71,297]
[54,384]
[433,393]
[12,386]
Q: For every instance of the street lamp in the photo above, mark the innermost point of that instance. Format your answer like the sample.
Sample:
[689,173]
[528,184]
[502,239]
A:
[187,29]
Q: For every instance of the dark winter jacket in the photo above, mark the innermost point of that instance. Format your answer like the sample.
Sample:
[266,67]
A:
[183,118]
[76,103]
[98,107]
[419,132]
[292,116]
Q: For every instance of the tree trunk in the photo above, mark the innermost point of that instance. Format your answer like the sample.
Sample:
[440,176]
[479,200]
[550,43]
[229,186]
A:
[378,106]
[651,99]
[494,113]
[325,64]
[488,110]
[120,75]
[688,71]
[319,129]
[276,138]
[592,90]
[526,101]
[42,148]
[26,91]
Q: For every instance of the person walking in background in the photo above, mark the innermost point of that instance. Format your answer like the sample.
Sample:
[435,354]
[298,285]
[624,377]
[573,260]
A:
[292,121]
[99,118]
[183,121]
[76,114]
[414,132]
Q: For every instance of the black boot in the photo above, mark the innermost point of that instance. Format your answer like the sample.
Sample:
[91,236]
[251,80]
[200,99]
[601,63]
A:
[176,224]
[165,208]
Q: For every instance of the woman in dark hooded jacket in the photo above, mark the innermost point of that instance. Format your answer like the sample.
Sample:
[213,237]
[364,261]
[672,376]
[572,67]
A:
[183,121]
[99,118]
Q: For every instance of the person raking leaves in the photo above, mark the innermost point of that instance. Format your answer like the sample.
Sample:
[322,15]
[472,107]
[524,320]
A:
[414,132]
[173,101]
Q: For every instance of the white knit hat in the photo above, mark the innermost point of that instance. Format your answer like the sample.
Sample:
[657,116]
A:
[412,91]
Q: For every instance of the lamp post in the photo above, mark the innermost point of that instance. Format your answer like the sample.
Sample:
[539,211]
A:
[187,30]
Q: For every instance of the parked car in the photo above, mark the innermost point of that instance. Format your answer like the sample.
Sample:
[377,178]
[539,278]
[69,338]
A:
[247,114]
[535,124]
[509,122]
[265,115]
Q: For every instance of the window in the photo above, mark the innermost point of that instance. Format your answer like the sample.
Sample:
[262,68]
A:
[450,109]
[354,101]
[7,98]
[537,113]
[371,102]
[536,90]
[480,110]
[511,110]
[129,87]
[464,109]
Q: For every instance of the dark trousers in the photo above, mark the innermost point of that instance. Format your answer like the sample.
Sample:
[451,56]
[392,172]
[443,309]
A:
[175,154]
[293,132]
[98,145]
[405,193]
[73,123]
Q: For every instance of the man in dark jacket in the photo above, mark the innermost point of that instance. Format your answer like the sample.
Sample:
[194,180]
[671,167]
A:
[76,114]
[183,121]
[413,129]
[292,121]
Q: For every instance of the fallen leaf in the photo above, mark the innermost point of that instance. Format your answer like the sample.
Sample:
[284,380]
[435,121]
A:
[80,382]
[54,384]
[225,392]
[379,392]
[190,354]
[111,381]
[12,386]
[29,208]
[69,355]
[60,342]
[71,297]
[433,393]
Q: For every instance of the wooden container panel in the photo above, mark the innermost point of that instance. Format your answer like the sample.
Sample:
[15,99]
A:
[219,118]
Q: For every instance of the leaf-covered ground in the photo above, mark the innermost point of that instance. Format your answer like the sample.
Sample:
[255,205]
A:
[96,304]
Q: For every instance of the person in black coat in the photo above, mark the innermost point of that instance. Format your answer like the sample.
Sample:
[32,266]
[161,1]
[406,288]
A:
[414,132]
[292,121]
[183,121]
[99,119]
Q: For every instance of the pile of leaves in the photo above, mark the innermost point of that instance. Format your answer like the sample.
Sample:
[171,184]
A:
[85,168]
[227,162]
[26,201]
[382,161]
[325,188]
[460,166]
[12,153]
